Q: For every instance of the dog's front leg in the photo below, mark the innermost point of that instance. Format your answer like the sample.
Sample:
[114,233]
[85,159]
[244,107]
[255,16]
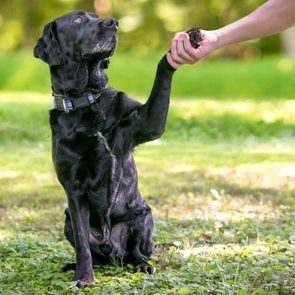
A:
[79,213]
[150,120]
[154,111]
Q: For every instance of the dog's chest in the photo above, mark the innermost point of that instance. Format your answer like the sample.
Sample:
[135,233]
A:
[83,157]
[97,159]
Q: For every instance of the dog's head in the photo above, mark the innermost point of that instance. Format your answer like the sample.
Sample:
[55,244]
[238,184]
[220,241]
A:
[79,36]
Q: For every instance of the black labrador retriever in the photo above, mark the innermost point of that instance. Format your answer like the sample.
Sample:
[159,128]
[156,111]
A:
[94,130]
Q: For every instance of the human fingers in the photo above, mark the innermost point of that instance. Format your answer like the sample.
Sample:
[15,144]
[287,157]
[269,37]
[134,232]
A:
[190,51]
[172,63]
[177,49]
[184,49]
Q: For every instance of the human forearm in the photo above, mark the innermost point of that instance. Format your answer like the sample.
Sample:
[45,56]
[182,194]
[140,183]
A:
[272,17]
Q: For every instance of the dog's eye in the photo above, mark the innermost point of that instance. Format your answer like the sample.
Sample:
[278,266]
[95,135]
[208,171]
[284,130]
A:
[78,20]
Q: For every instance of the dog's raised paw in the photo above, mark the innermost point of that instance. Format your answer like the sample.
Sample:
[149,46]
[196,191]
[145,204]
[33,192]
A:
[144,267]
[194,37]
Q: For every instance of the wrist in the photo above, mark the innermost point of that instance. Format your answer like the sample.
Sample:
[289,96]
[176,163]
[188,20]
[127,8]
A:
[166,63]
[220,38]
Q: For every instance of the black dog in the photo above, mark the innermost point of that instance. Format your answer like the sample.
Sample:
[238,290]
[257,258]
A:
[94,130]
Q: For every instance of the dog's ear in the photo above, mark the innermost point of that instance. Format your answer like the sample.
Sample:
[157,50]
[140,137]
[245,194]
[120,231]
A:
[47,47]
[105,63]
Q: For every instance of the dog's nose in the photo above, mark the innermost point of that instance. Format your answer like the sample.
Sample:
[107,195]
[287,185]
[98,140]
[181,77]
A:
[110,22]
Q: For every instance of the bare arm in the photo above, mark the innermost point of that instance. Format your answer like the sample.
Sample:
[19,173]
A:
[270,18]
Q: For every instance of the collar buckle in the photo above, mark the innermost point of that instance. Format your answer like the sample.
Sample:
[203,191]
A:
[64,104]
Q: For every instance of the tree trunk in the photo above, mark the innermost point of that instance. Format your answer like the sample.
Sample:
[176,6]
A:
[289,42]
[103,7]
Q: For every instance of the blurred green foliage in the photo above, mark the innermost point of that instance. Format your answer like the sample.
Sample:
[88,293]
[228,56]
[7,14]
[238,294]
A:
[262,79]
[144,24]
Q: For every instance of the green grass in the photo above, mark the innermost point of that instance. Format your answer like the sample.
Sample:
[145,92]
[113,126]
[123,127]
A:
[264,79]
[220,182]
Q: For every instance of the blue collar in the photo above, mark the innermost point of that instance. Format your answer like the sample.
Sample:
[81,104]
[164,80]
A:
[67,104]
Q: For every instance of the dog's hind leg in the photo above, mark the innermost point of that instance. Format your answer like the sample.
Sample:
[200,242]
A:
[118,238]
[141,243]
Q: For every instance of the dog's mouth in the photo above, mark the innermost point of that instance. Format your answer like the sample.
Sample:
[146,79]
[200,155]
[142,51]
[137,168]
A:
[101,51]
[103,48]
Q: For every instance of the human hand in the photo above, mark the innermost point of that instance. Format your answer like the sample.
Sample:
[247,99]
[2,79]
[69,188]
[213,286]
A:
[183,53]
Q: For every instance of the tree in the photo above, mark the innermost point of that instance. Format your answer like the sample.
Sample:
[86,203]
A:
[144,25]
[289,42]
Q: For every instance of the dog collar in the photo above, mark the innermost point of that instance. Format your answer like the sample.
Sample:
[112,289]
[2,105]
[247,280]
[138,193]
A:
[67,104]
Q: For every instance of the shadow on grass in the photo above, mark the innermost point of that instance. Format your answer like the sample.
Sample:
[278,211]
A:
[198,184]
[225,127]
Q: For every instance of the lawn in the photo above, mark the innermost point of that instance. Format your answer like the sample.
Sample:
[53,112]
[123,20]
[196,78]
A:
[220,182]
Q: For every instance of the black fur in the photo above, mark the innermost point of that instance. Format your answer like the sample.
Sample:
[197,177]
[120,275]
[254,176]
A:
[107,219]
